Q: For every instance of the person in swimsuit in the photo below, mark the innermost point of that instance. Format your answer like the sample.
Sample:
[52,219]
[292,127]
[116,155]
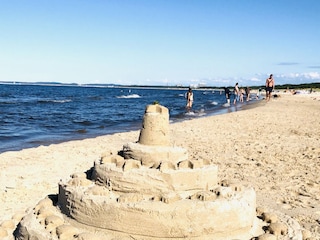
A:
[241,94]
[236,94]
[189,96]
[248,93]
[269,87]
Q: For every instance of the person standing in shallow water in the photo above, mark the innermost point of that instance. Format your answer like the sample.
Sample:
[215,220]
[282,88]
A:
[227,93]
[269,87]
[248,93]
[189,96]
[236,94]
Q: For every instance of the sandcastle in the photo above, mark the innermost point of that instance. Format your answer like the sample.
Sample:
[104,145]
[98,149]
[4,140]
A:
[148,190]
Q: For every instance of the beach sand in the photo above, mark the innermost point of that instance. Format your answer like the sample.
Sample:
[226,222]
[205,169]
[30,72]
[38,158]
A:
[274,147]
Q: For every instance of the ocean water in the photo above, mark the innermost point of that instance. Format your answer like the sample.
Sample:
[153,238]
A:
[34,115]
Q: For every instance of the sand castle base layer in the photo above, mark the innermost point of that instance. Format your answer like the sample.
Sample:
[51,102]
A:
[97,207]
[46,221]
[157,208]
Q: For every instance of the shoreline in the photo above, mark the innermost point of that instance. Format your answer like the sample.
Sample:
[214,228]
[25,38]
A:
[273,147]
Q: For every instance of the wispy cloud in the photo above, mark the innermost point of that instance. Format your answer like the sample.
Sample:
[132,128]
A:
[312,75]
[287,63]
[314,67]
[254,79]
[298,78]
[309,75]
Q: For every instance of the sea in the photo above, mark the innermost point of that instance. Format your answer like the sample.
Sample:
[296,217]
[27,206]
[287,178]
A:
[33,115]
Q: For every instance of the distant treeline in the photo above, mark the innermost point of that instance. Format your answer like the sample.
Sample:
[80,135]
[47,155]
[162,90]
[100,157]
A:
[293,86]
[300,86]
[283,86]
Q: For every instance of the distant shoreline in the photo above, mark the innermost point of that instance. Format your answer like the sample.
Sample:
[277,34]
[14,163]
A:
[315,86]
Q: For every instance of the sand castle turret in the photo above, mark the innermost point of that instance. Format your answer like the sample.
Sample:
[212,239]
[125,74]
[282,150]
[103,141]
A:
[155,126]
[153,147]
[150,191]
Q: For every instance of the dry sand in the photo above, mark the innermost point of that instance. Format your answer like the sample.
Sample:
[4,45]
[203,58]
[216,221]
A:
[275,147]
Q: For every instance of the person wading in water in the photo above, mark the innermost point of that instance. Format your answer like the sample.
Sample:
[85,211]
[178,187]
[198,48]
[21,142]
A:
[189,96]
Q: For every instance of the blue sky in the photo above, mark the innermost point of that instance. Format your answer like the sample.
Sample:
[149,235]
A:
[160,42]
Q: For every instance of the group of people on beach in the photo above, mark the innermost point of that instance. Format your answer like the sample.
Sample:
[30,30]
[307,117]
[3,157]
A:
[239,93]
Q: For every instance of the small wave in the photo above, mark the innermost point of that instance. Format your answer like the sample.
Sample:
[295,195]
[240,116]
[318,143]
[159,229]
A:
[202,112]
[7,102]
[61,101]
[214,103]
[53,101]
[226,105]
[196,113]
[45,100]
[129,96]
[190,113]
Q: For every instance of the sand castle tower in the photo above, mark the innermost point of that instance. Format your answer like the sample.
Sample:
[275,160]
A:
[155,126]
[150,190]
[153,147]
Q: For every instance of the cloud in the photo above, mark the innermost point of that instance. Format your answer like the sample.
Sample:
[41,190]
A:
[297,78]
[312,75]
[314,67]
[309,75]
[288,63]
[254,79]
[219,81]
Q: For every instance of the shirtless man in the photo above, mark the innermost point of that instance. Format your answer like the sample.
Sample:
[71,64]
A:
[236,94]
[269,87]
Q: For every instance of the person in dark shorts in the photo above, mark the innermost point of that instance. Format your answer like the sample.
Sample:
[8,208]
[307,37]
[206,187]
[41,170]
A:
[227,93]
[269,87]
